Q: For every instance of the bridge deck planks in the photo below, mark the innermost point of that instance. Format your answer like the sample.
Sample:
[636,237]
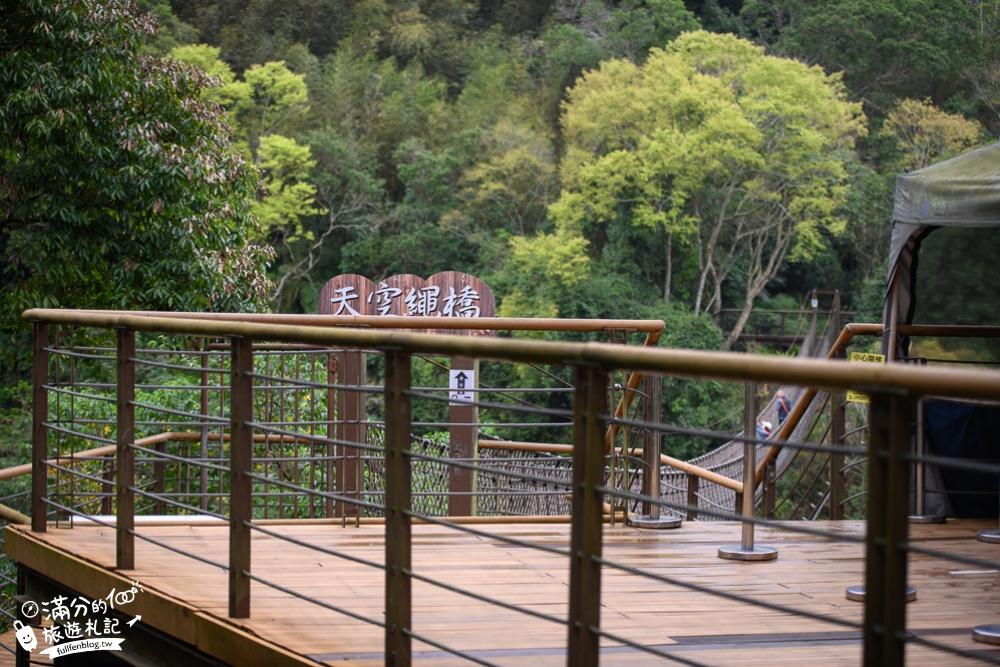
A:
[811,574]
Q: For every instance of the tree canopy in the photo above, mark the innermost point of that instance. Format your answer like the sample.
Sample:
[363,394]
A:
[885,49]
[118,184]
[713,144]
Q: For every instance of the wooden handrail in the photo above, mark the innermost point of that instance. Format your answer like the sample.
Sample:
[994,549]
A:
[405,322]
[956,382]
[11,515]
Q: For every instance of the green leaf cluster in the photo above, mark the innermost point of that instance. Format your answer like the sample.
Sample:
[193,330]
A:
[710,143]
[118,184]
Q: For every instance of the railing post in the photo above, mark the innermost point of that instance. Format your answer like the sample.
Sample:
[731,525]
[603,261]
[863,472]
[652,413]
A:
[838,419]
[920,514]
[838,415]
[590,408]
[918,465]
[749,463]
[398,597]
[332,481]
[159,478]
[746,550]
[203,452]
[39,432]
[651,446]
[125,454]
[240,485]
[692,497]
[108,486]
[350,429]
[652,517]
[770,487]
[888,496]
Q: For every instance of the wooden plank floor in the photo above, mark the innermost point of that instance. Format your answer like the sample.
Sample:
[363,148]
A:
[188,599]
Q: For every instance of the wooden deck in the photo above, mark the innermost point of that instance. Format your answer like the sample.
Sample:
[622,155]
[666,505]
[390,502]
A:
[187,599]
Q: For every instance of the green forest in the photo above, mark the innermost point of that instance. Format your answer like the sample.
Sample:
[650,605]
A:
[585,158]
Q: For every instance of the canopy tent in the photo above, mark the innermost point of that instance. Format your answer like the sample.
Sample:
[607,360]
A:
[961,192]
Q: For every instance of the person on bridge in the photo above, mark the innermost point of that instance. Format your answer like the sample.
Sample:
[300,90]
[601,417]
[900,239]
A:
[783,407]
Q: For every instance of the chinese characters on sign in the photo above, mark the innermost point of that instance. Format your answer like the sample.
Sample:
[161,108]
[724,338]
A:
[77,625]
[865,358]
[425,301]
[446,294]
[342,301]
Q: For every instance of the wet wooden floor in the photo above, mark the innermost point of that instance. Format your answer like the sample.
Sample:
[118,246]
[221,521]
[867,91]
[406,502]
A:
[188,599]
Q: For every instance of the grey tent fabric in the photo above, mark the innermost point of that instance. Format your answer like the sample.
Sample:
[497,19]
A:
[961,192]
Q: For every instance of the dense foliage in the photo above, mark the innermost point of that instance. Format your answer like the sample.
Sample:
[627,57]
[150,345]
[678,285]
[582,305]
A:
[118,184]
[555,149]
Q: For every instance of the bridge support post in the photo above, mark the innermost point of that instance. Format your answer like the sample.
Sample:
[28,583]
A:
[462,440]
[651,517]
[837,424]
[838,418]
[692,497]
[203,430]
[770,488]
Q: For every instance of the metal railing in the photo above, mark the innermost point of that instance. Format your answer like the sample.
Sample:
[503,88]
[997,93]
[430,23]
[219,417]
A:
[242,471]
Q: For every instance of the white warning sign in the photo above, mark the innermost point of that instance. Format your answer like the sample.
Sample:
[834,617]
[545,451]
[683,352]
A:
[461,385]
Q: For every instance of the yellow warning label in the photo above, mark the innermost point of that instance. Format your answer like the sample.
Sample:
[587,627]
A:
[865,358]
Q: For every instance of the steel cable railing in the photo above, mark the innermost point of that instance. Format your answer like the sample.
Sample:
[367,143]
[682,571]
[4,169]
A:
[273,452]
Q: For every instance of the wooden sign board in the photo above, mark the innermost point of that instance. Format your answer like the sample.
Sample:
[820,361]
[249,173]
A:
[445,294]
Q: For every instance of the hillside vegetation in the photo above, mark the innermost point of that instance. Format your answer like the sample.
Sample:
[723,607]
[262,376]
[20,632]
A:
[586,158]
